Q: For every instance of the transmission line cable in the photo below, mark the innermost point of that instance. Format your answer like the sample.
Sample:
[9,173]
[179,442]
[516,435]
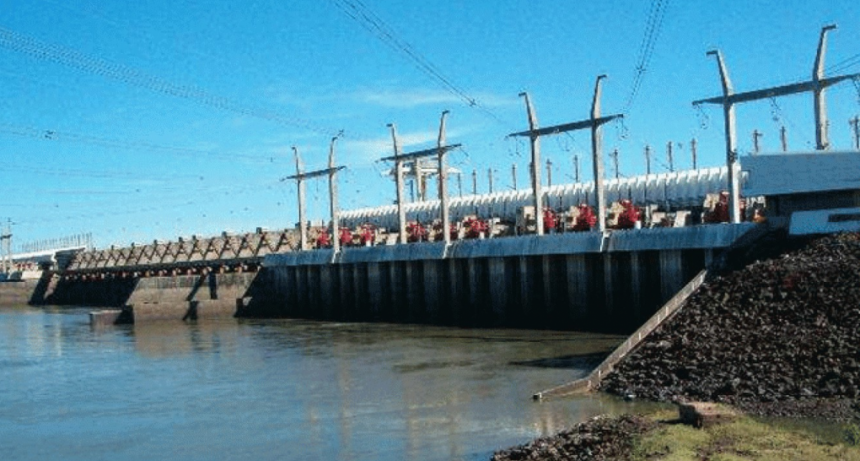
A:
[59,54]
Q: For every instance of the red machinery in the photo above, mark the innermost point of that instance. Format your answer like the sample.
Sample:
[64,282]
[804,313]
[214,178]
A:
[629,217]
[586,219]
[367,235]
[345,236]
[323,239]
[415,232]
[720,212]
[550,219]
[475,227]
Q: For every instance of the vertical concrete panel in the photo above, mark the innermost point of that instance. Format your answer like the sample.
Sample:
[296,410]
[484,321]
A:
[577,286]
[410,292]
[313,288]
[448,291]
[635,286]
[457,294]
[326,291]
[546,276]
[709,257]
[526,294]
[498,290]
[374,290]
[396,288]
[431,290]
[292,307]
[357,305]
[608,285]
[345,283]
[470,310]
[671,273]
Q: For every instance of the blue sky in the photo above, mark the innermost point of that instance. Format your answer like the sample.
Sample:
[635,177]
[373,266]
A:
[147,120]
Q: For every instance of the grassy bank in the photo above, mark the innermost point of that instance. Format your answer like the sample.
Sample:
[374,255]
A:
[660,436]
[748,438]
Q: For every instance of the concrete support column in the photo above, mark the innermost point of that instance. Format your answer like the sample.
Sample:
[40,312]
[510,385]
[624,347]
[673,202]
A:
[326,289]
[498,289]
[671,274]
[608,284]
[357,299]
[577,285]
[546,278]
[474,284]
[345,285]
[412,300]
[456,291]
[526,298]
[635,284]
[431,289]
[396,295]
[374,290]
[709,257]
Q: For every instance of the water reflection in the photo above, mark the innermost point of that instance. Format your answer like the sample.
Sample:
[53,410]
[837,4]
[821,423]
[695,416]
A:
[281,389]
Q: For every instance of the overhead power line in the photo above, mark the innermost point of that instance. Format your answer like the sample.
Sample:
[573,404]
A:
[653,26]
[65,136]
[371,22]
[69,57]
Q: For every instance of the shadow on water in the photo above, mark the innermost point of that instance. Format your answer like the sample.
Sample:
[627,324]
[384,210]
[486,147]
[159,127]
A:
[573,361]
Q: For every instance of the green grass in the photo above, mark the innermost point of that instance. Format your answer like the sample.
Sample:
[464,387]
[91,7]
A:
[747,438]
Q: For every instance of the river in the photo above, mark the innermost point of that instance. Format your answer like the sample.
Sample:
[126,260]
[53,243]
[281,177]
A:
[281,389]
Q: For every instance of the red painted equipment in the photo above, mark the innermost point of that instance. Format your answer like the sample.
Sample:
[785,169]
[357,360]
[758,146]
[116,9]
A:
[550,219]
[415,232]
[586,219]
[323,239]
[367,235]
[629,217]
[475,227]
[345,237]
[720,213]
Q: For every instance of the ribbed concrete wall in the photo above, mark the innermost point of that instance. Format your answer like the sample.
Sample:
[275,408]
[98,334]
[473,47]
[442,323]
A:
[602,291]
[587,281]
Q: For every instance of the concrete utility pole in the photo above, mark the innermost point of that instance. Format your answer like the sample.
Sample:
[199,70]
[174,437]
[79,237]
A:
[756,144]
[647,160]
[460,183]
[443,179]
[614,156]
[332,193]
[783,138]
[855,123]
[694,152]
[514,176]
[595,122]
[300,181]
[399,158]
[669,157]
[300,178]
[549,173]
[398,180]
[490,179]
[816,85]
[576,168]
[6,237]
[474,181]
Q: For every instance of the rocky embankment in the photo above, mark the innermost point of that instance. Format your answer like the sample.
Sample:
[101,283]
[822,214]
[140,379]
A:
[600,438]
[778,337]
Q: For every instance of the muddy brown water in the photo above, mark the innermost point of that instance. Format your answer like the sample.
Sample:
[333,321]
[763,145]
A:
[281,389]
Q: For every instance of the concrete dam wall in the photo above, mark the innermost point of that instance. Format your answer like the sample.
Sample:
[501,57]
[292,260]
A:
[576,281]
[572,281]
